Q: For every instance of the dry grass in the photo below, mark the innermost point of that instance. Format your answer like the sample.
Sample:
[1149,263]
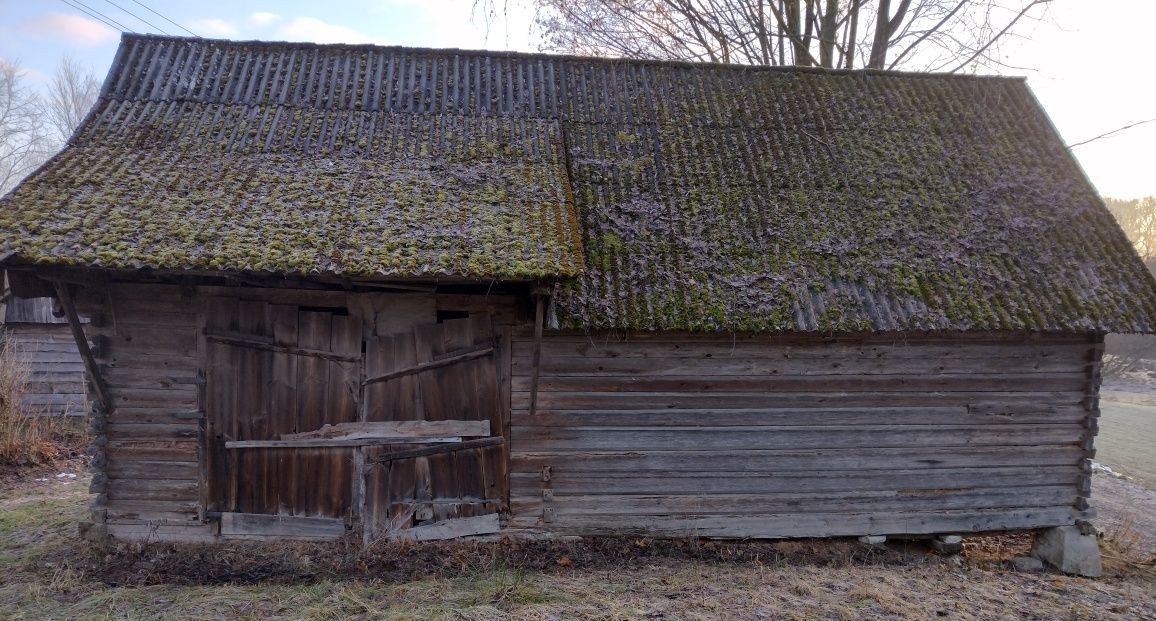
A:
[28,438]
[48,574]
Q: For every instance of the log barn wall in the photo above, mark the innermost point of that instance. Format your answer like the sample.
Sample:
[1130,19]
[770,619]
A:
[797,437]
[146,473]
[45,345]
[657,434]
[150,464]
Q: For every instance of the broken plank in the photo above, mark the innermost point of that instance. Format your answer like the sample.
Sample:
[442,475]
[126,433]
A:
[451,529]
[435,450]
[396,429]
[328,443]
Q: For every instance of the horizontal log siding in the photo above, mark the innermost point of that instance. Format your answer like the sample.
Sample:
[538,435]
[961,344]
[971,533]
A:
[795,437]
[56,373]
[147,478]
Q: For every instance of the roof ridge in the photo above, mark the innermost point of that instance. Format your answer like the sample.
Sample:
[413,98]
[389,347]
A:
[575,57]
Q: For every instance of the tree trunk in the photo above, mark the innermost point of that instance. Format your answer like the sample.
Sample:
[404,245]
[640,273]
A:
[852,33]
[827,34]
[882,35]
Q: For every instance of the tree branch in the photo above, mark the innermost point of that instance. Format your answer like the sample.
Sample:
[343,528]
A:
[1114,131]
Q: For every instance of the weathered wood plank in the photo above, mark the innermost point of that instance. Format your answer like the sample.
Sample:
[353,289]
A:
[566,366]
[472,353]
[396,429]
[787,460]
[775,348]
[278,526]
[436,450]
[847,501]
[253,343]
[556,439]
[742,482]
[684,400]
[801,416]
[808,383]
[151,489]
[152,511]
[451,529]
[322,443]
[161,532]
[820,524]
[172,470]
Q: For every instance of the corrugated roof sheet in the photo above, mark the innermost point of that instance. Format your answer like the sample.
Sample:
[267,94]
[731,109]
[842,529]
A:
[685,197]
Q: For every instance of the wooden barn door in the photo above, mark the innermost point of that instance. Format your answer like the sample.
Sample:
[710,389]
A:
[444,377]
[273,370]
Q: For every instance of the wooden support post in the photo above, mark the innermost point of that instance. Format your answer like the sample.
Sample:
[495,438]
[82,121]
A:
[68,304]
[539,319]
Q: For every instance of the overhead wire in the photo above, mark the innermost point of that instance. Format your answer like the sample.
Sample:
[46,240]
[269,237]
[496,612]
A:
[138,17]
[97,15]
[150,10]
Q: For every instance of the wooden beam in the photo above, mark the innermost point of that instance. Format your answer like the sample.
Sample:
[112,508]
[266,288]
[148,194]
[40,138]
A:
[539,319]
[451,529]
[437,450]
[296,527]
[326,443]
[258,343]
[102,394]
[460,355]
[396,429]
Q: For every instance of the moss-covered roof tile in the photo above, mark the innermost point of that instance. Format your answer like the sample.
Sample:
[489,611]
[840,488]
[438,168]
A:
[662,195]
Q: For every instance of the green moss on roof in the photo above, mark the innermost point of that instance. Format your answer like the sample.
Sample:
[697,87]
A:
[664,196]
[417,197]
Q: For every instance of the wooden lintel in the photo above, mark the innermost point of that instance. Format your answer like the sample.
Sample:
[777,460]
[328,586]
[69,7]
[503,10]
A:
[437,450]
[258,343]
[99,386]
[454,357]
[396,429]
[327,443]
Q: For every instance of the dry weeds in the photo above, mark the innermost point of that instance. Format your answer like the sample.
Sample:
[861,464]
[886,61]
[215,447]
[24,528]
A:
[29,438]
[49,574]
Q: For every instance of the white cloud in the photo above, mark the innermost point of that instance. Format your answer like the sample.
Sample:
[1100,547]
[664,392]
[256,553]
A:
[70,28]
[214,27]
[318,31]
[262,19]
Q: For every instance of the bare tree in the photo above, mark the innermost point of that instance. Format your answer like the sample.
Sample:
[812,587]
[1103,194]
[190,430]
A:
[71,94]
[23,140]
[1125,352]
[922,35]
[1138,219]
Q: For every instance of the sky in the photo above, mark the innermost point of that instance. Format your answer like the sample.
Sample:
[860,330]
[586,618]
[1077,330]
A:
[1087,62]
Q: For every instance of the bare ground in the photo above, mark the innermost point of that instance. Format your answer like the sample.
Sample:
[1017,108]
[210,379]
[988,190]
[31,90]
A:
[49,574]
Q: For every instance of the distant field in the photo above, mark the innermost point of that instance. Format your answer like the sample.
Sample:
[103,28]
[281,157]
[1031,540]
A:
[1127,440]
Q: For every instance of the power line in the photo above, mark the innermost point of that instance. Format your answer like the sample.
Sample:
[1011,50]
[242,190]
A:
[138,18]
[146,7]
[93,13]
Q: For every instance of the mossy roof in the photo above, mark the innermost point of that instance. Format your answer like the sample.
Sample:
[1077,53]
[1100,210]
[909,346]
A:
[661,195]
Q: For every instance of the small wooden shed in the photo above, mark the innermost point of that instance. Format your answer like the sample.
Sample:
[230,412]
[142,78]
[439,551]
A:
[421,293]
[44,344]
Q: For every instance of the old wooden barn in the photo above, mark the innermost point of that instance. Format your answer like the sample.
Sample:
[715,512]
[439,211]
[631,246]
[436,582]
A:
[417,293]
